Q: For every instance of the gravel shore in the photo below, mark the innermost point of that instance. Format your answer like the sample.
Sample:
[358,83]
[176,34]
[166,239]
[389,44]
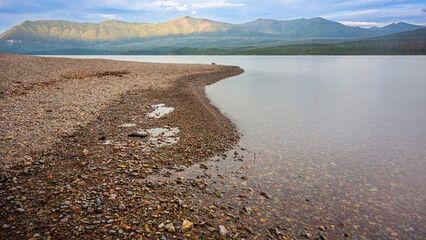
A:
[78,142]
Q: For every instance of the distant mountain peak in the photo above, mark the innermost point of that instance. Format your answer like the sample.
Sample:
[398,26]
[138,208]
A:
[317,27]
[395,28]
[113,22]
[184,18]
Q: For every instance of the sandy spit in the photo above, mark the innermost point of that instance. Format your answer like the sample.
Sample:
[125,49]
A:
[68,170]
[44,99]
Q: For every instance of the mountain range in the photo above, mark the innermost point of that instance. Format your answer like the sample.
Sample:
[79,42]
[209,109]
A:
[118,37]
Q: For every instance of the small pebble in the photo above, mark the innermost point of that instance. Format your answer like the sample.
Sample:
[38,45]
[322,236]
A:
[170,227]
[222,230]
[21,210]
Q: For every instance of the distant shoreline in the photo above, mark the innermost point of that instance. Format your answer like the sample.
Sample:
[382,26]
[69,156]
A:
[356,48]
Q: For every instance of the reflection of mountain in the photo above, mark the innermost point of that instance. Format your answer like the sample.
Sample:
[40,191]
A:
[120,37]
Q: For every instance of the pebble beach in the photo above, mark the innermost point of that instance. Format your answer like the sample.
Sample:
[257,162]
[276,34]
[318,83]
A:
[80,137]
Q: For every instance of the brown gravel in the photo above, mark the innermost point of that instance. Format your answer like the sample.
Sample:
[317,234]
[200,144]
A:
[59,180]
[44,99]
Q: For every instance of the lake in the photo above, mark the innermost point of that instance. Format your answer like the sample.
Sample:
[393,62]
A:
[331,145]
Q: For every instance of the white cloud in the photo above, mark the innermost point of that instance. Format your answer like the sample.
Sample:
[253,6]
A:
[101,16]
[182,5]
[172,4]
[194,12]
[179,5]
[362,24]
[215,4]
[126,4]
[377,13]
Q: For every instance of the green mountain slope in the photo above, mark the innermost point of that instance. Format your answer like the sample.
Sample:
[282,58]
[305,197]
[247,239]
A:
[395,28]
[117,37]
[307,28]
[114,30]
[411,43]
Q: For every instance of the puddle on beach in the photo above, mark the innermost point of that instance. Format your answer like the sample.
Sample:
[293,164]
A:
[154,137]
[163,136]
[160,110]
[128,125]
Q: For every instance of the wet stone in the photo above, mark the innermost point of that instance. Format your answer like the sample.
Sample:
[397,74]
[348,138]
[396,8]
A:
[99,211]
[21,210]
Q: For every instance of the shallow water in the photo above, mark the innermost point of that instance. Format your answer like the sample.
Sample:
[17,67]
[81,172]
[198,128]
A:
[160,110]
[336,142]
[163,136]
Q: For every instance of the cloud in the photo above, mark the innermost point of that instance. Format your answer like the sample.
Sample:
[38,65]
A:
[101,16]
[182,5]
[194,12]
[179,5]
[377,13]
[172,4]
[126,4]
[215,4]
[362,24]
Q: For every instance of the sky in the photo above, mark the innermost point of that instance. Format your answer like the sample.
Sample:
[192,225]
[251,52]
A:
[363,13]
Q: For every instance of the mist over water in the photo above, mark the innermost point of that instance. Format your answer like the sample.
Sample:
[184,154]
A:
[336,141]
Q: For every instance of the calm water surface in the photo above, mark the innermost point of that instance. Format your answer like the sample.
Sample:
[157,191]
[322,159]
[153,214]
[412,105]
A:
[336,142]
